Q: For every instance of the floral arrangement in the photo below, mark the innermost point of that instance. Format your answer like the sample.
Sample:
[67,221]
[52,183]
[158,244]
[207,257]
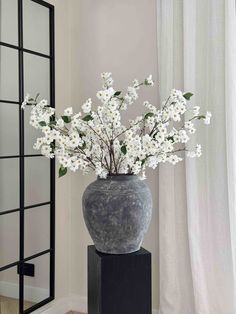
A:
[96,140]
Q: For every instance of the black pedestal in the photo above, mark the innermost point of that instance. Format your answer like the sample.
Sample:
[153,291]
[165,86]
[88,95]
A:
[119,284]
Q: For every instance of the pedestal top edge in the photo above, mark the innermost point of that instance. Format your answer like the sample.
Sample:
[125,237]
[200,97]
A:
[142,251]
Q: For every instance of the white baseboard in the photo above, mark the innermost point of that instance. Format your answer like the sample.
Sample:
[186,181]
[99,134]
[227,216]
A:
[62,306]
[33,294]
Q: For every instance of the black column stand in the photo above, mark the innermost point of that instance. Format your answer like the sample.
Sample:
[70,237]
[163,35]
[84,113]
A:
[119,284]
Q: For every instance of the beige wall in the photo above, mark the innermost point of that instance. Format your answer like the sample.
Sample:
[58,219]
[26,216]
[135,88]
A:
[92,37]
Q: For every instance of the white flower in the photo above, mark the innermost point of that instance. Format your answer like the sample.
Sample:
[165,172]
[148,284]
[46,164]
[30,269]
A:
[188,125]
[107,80]
[105,75]
[192,130]
[207,119]
[184,138]
[99,141]
[198,150]
[149,80]
[152,162]
[128,99]
[86,107]
[174,159]
[46,151]
[68,111]
[160,137]
[26,100]
[131,95]
[174,115]
[60,123]
[43,103]
[46,129]
[105,95]
[100,171]
[191,154]
[136,84]
[38,143]
[196,153]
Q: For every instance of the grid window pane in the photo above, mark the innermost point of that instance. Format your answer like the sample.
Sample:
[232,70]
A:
[37,75]
[37,180]
[37,230]
[9,89]
[9,291]
[36,289]
[9,184]
[37,37]
[9,136]
[9,238]
[9,21]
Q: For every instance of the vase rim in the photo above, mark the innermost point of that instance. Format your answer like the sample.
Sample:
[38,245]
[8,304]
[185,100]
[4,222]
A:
[120,177]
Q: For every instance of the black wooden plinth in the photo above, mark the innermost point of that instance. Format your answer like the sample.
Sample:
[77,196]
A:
[119,284]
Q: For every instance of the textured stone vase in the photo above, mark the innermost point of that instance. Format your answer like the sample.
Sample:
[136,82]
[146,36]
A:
[117,212]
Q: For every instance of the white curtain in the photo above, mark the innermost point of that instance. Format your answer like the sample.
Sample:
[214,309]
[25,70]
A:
[197,52]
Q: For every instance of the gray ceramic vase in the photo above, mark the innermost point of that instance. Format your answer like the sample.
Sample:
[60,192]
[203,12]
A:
[117,212]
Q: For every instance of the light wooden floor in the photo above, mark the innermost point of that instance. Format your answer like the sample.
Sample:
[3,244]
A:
[11,306]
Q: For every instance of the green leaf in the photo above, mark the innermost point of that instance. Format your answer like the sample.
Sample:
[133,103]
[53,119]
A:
[62,171]
[124,149]
[149,114]
[201,117]
[170,138]
[87,118]
[188,95]
[66,119]
[117,93]
[143,161]
[42,123]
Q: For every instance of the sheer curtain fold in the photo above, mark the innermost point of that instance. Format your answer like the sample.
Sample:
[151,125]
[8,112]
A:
[197,52]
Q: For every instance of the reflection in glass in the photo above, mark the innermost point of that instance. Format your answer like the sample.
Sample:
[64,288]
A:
[37,230]
[37,180]
[36,38]
[9,184]
[9,291]
[36,289]
[9,238]
[9,89]
[9,136]
[9,21]
[37,74]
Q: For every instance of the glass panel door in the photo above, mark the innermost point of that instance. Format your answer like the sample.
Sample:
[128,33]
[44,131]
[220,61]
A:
[27,181]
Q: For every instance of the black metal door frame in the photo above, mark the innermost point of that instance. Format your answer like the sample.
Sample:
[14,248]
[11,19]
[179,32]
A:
[22,259]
